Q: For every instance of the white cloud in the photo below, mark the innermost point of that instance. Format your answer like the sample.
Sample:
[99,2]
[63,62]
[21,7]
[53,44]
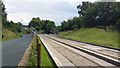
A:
[17,17]
[56,11]
[41,0]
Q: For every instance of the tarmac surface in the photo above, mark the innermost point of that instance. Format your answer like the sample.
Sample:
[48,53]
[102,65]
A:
[13,50]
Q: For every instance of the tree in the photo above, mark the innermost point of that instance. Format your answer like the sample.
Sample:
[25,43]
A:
[71,24]
[99,13]
[58,28]
[77,23]
[36,23]
[48,26]
[42,25]
[4,14]
[90,16]
[64,26]
[82,8]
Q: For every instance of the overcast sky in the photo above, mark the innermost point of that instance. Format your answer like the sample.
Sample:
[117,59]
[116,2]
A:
[55,10]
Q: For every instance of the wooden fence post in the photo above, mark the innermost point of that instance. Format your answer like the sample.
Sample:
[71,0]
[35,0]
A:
[38,52]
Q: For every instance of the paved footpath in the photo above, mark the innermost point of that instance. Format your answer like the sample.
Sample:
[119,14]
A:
[13,50]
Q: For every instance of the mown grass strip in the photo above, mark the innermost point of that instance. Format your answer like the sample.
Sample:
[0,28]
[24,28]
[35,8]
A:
[46,60]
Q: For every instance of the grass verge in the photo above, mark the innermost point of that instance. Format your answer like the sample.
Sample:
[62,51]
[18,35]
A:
[46,60]
[7,34]
[92,35]
[33,55]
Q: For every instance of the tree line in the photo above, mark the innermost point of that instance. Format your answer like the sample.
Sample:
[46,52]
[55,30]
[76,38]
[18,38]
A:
[46,26]
[105,15]
[10,25]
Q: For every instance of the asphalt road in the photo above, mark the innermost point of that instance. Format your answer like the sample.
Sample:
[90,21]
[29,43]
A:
[13,50]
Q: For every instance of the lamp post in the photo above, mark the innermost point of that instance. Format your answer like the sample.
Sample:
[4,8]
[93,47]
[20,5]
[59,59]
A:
[21,27]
